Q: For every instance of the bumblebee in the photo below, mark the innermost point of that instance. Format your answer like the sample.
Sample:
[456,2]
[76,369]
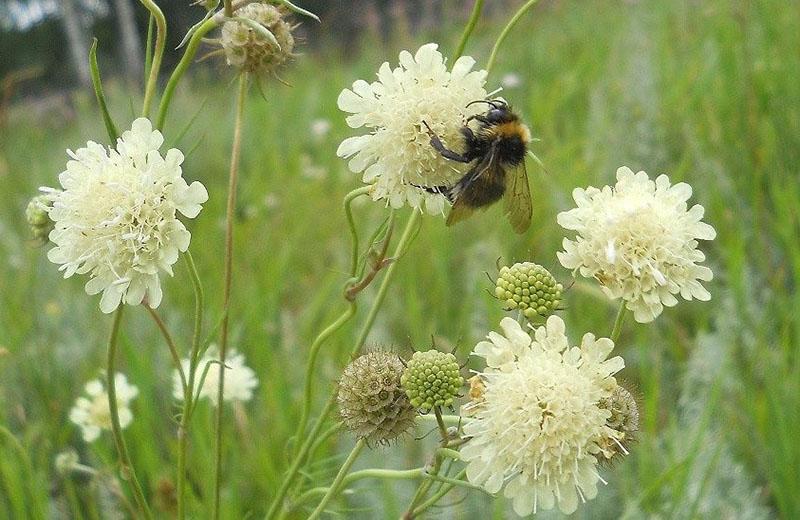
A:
[497,148]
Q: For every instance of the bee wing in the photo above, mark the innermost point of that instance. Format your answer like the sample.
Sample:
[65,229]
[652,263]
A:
[461,210]
[517,203]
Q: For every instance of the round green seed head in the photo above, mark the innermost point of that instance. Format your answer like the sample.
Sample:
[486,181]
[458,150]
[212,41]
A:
[530,288]
[251,51]
[432,379]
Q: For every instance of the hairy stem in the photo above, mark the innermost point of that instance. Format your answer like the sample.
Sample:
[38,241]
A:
[506,30]
[227,277]
[337,482]
[116,429]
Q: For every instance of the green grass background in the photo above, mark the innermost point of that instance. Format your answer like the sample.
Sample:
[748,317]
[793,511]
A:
[705,91]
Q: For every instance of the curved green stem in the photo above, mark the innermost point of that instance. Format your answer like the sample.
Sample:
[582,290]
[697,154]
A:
[173,348]
[158,53]
[507,29]
[402,246]
[405,240]
[388,474]
[337,482]
[438,495]
[227,277]
[312,361]
[111,128]
[473,21]
[617,330]
[181,68]
[116,429]
[348,211]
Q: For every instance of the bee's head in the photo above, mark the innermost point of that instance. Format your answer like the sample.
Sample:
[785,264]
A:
[499,111]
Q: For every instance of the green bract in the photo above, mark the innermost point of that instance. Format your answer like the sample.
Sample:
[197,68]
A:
[432,379]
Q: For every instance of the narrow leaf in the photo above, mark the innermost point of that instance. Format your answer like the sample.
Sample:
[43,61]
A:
[111,128]
[299,10]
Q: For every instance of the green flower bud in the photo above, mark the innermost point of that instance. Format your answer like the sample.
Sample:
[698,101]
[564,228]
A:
[530,288]
[432,379]
[373,405]
[38,218]
[623,421]
[250,50]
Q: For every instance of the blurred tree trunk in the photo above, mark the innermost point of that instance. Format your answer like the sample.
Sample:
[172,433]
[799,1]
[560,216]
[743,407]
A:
[131,48]
[77,41]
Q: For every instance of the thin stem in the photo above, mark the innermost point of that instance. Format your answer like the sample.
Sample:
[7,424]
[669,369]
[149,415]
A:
[312,361]
[227,277]
[405,240]
[188,387]
[340,321]
[437,410]
[507,29]
[148,49]
[173,349]
[228,8]
[445,489]
[617,330]
[473,21]
[116,429]
[158,53]
[181,68]
[197,286]
[388,474]
[337,482]
[402,246]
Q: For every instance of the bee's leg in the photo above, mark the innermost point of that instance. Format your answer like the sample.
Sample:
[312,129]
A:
[445,152]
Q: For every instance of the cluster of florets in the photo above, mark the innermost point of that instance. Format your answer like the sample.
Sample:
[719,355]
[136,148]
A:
[530,288]
[432,379]
[624,420]
[372,401]
[250,49]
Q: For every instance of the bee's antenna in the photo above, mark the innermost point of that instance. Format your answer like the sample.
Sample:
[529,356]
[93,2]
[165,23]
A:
[491,102]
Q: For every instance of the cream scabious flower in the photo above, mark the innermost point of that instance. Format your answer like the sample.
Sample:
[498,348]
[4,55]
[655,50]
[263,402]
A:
[639,240]
[240,380]
[537,425]
[396,154]
[116,216]
[92,414]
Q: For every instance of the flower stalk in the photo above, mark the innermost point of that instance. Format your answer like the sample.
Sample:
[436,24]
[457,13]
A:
[227,278]
[337,482]
[116,429]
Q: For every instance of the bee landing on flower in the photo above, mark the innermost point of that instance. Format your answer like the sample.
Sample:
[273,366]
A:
[639,240]
[537,426]
[115,218]
[395,155]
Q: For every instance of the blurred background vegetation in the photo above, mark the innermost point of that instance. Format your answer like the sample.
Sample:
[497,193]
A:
[705,91]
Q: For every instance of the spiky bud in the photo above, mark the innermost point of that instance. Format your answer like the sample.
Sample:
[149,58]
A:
[36,213]
[250,49]
[373,404]
[624,422]
[432,379]
[530,288]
